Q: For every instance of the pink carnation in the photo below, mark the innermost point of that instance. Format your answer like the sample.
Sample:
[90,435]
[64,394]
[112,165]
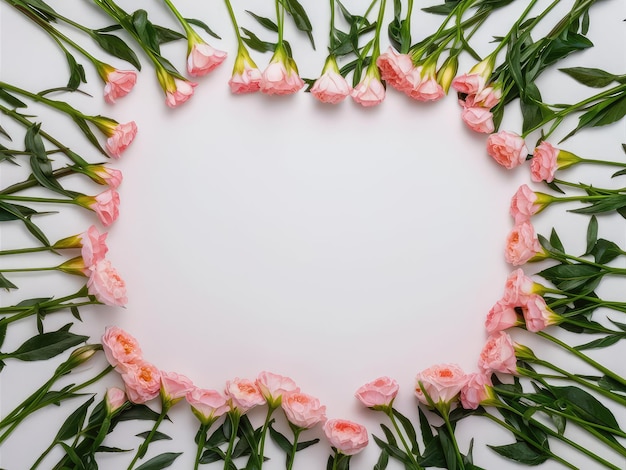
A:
[274,386]
[302,410]
[182,91]
[501,317]
[523,204]
[93,246]
[468,83]
[243,394]
[476,390]
[544,162]
[331,88]
[206,405]
[142,381]
[203,58]
[118,84]
[428,89]
[280,78]
[106,284]
[114,399]
[120,348]
[498,354]
[370,91]
[378,393]
[521,244]
[478,119]
[347,437]
[507,148]
[518,288]
[120,138]
[395,69]
[537,315]
[105,204]
[102,174]
[174,387]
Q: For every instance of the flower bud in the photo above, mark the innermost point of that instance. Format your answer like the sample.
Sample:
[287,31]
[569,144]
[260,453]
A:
[77,357]
[447,72]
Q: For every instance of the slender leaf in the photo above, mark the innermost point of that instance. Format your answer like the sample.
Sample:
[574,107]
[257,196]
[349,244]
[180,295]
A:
[160,461]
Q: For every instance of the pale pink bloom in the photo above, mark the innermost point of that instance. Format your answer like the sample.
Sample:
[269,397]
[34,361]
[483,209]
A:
[281,75]
[428,89]
[478,119]
[102,174]
[331,88]
[523,204]
[395,68]
[486,98]
[476,391]
[537,314]
[246,76]
[347,437]
[378,393]
[243,394]
[370,91]
[521,244]
[106,284]
[468,84]
[120,138]
[174,387]
[202,58]
[142,381]
[114,399]
[93,246]
[206,405]
[274,386]
[302,410]
[105,204]
[507,148]
[118,84]
[498,355]
[442,383]
[517,288]
[120,348]
[500,317]
[182,91]
[544,162]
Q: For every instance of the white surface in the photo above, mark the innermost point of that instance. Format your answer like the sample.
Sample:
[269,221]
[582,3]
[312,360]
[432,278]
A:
[329,244]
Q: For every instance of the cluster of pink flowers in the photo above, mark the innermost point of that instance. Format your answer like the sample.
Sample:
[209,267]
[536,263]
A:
[477,99]
[521,296]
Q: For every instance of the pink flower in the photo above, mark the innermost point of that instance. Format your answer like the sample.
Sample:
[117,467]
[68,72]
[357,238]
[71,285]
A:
[174,387]
[302,410]
[114,399]
[281,75]
[428,89]
[468,84]
[537,314]
[246,77]
[501,316]
[105,204]
[102,174]
[93,247]
[180,92]
[243,394]
[507,148]
[118,84]
[106,284]
[203,58]
[120,348]
[442,383]
[142,381]
[120,138]
[523,204]
[379,393]
[206,405]
[395,68]
[544,162]
[476,391]
[498,355]
[347,437]
[522,244]
[478,119]
[274,386]
[518,288]
[370,91]
[331,87]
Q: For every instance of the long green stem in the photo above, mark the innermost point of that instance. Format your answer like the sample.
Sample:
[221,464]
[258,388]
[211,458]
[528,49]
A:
[459,458]
[234,420]
[261,449]
[294,448]
[143,448]
[407,449]
[7,197]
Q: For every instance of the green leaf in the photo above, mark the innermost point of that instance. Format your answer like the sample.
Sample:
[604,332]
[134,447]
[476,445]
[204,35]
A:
[427,433]
[3,331]
[11,100]
[74,422]
[521,452]
[39,162]
[563,46]
[165,35]
[393,451]
[158,436]
[5,283]
[605,251]
[606,204]
[202,25]
[409,429]
[303,445]
[573,276]
[47,345]
[6,216]
[141,412]
[255,43]
[586,406]
[281,441]
[300,18]
[592,234]
[160,461]
[555,241]
[213,454]
[433,454]
[605,112]
[383,461]
[263,21]
[77,72]
[591,77]
[117,48]
[599,343]
[145,30]
[608,383]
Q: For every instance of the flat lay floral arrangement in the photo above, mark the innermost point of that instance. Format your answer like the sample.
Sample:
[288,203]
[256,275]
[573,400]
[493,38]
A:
[372,52]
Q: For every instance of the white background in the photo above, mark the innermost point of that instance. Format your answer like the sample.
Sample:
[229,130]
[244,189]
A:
[329,244]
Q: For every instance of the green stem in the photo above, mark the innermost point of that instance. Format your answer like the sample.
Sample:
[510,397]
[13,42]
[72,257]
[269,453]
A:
[261,450]
[143,448]
[181,19]
[294,448]
[20,251]
[602,162]
[586,187]
[43,455]
[584,357]
[233,20]
[7,197]
[446,420]
[28,270]
[201,441]
[407,449]
[234,420]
